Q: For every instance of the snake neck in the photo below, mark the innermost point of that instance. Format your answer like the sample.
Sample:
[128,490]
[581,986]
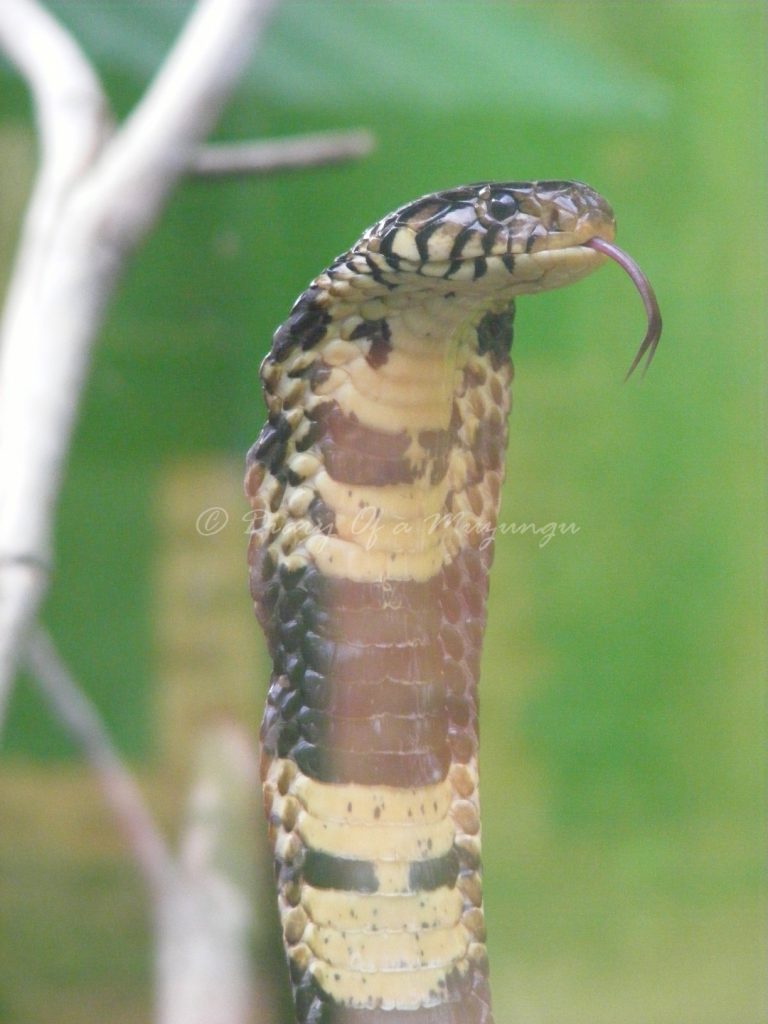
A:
[375,487]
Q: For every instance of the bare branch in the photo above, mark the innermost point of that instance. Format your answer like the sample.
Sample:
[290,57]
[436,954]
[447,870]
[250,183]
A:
[73,709]
[273,155]
[202,904]
[73,120]
[151,151]
[72,117]
[82,237]
[205,929]
[67,94]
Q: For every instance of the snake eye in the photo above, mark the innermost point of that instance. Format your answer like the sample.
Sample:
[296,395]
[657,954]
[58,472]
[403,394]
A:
[503,207]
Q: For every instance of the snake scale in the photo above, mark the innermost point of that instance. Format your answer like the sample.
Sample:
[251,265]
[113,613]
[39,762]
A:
[374,488]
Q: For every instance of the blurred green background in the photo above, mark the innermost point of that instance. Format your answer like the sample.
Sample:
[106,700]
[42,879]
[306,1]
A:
[622,690]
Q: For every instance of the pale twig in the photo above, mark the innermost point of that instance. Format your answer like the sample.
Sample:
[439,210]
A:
[151,150]
[74,710]
[103,197]
[73,119]
[271,155]
[202,902]
[206,927]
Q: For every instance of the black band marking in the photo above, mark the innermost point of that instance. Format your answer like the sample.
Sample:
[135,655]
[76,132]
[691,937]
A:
[324,871]
[494,336]
[426,875]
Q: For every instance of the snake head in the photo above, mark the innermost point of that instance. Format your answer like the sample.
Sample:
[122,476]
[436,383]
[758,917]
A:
[487,220]
[519,237]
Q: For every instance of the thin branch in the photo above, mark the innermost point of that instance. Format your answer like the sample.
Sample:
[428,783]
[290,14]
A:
[66,92]
[151,150]
[273,155]
[94,222]
[206,928]
[70,705]
[72,117]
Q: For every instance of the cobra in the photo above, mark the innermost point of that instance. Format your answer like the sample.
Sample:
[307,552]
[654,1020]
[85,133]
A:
[374,488]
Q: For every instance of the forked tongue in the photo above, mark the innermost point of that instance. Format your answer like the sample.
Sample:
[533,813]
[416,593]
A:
[643,285]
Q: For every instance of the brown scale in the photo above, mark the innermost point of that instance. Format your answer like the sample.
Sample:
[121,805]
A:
[356,454]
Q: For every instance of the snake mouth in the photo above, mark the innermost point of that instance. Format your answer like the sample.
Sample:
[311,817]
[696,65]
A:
[650,342]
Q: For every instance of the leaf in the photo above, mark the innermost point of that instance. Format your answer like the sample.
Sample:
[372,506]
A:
[340,56]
